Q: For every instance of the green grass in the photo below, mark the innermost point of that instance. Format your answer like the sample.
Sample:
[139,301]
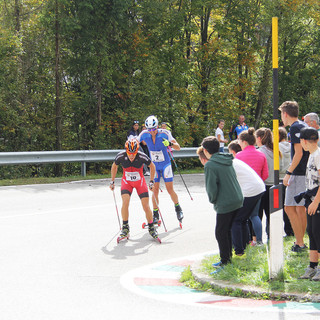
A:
[251,269]
[43,180]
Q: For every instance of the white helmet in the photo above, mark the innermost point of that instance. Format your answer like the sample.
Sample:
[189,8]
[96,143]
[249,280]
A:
[151,122]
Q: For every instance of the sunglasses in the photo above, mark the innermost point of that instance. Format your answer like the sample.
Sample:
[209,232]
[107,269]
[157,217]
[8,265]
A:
[154,129]
[135,122]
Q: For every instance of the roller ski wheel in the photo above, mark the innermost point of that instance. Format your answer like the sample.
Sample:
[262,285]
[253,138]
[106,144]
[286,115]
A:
[156,224]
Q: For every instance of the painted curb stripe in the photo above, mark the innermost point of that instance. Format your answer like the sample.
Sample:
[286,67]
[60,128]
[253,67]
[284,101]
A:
[162,279]
[164,290]
[156,282]
[243,303]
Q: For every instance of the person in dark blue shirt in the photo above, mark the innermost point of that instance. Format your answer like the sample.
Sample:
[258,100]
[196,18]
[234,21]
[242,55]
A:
[134,131]
[237,128]
[294,179]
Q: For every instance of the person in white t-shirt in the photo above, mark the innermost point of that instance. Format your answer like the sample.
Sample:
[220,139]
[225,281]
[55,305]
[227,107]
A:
[220,135]
[253,188]
[308,139]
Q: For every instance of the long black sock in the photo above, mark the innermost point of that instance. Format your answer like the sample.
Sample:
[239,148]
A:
[313,264]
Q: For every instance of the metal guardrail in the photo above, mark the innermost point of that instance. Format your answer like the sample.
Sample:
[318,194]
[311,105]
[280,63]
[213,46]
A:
[82,156]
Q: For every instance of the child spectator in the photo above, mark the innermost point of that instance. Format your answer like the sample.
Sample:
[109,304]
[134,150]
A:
[224,192]
[308,139]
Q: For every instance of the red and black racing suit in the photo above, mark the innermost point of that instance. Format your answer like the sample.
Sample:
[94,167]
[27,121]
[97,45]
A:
[133,173]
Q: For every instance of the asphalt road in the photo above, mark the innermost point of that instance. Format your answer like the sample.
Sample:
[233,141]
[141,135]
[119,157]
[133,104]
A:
[59,258]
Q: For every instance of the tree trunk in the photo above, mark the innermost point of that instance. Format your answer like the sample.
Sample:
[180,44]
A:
[99,98]
[264,84]
[17,14]
[204,68]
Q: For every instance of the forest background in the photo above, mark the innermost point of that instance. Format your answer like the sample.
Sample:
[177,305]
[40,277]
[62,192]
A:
[74,74]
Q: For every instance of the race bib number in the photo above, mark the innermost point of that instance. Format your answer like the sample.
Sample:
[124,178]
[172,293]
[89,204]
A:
[132,176]
[157,156]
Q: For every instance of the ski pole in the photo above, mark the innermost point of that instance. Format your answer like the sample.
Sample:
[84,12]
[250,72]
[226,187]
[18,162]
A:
[165,229]
[115,202]
[171,155]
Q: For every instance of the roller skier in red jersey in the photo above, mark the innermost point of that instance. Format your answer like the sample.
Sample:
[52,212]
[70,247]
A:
[132,162]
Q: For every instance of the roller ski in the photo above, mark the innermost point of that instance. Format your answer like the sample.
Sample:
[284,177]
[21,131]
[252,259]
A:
[153,233]
[179,214]
[124,234]
[157,224]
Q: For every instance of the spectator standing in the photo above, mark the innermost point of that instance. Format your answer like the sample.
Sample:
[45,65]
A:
[294,178]
[312,120]
[220,135]
[237,128]
[252,188]
[308,139]
[285,149]
[224,193]
[265,143]
[134,131]
[258,162]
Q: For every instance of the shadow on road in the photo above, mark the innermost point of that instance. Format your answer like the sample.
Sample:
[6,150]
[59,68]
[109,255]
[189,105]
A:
[138,244]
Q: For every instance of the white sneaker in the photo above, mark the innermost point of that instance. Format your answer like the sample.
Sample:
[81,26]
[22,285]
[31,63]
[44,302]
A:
[316,277]
[310,273]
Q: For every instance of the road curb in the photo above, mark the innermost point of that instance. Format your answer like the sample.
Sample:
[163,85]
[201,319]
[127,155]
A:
[204,278]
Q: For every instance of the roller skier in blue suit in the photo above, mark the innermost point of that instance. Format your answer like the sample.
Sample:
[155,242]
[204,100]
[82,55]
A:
[158,140]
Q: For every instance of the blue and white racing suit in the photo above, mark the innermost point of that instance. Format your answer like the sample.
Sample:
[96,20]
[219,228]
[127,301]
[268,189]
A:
[159,153]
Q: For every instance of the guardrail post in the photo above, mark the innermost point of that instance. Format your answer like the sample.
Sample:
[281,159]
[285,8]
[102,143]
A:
[83,169]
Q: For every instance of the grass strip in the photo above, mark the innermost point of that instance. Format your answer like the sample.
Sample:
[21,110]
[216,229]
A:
[252,269]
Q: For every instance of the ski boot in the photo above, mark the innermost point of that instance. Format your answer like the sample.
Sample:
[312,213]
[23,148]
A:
[153,233]
[156,217]
[124,234]
[179,214]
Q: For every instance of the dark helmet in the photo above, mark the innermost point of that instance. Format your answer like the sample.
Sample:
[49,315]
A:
[132,146]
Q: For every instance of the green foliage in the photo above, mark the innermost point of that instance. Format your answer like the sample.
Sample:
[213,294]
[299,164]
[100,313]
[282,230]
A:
[188,62]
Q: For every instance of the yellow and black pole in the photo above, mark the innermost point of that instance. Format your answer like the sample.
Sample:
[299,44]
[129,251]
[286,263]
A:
[276,203]
[275,59]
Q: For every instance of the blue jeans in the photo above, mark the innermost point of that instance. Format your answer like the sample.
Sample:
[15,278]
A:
[256,222]
[221,149]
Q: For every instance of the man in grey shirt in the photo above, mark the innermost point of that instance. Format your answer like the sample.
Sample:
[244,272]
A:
[312,120]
